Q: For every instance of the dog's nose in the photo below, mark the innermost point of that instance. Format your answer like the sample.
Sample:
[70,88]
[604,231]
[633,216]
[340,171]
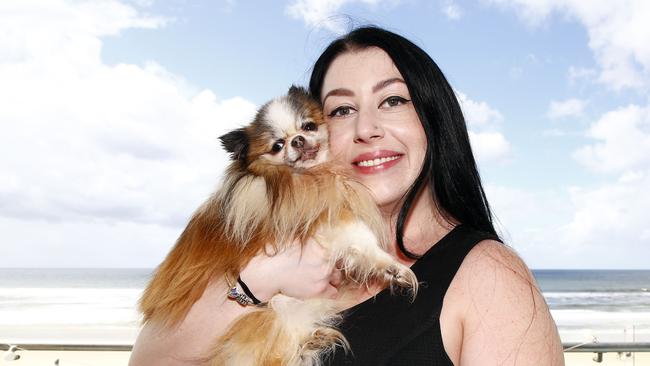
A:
[298,142]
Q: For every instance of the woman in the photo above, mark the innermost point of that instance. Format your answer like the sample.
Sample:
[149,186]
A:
[385,98]
[394,118]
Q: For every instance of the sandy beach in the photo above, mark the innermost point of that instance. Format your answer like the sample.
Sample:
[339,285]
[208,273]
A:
[121,358]
[69,358]
[609,359]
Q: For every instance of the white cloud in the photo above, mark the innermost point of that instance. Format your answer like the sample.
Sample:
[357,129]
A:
[488,143]
[613,213]
[515,72]
[489,146]
[609,225]
[69,244]
[623,141]
[618,34]
[478,114]
[97,155]
[56,32]
[523,216]
[554,132]
[599,226]
[596,227]
[568,108]
[602,225]
[580,73]
[322,13]
[452,10]
[610,219]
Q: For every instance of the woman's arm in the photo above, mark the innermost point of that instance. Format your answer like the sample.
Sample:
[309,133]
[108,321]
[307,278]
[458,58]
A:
[301,272]
[207,319]
[505,319]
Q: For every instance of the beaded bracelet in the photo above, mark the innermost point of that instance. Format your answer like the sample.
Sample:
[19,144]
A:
[245,299]
[247,291]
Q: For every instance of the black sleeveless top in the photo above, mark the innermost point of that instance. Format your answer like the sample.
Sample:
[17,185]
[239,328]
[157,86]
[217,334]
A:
[390,330]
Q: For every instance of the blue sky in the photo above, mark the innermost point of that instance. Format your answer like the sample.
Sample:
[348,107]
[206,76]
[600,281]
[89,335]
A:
[113,109]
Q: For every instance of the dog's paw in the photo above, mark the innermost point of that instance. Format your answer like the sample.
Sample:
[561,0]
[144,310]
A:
[324,338]
[378,268]
[321,341]
[400,276]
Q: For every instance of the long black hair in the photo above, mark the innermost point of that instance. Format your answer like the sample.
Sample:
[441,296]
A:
[449,167]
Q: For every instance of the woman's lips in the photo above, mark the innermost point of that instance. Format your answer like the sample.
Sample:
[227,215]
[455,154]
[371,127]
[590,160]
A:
[374,162]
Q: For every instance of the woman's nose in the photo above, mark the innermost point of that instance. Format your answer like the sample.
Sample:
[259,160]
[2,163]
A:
[368,127]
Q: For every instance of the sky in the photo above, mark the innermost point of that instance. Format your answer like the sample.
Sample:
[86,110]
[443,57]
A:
[110,113]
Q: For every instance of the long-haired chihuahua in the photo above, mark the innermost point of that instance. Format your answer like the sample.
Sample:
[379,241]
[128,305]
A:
[280,188]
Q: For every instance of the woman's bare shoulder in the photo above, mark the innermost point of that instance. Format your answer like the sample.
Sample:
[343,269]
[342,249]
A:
[503,315]
[491,257]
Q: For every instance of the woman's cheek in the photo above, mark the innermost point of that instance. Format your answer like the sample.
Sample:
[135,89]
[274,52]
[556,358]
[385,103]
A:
[338,141]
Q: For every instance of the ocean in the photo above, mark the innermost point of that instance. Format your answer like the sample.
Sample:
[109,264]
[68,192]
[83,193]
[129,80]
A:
[99,305]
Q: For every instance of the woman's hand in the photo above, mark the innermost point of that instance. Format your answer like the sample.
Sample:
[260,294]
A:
[298,271]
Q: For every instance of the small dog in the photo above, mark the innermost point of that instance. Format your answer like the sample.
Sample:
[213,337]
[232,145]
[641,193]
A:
[279,187]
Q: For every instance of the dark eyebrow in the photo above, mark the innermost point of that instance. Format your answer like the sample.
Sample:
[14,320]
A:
[382,84]
[341,92]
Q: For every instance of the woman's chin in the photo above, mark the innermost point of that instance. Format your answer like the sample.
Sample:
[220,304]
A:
[387,199]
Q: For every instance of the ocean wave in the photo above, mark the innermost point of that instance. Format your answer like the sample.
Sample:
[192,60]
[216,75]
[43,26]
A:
[607,301]
[117,306]
[600,319]
[608,294]
[640,290]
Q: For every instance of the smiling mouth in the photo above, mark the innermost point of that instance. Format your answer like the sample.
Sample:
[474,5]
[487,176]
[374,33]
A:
[377,161]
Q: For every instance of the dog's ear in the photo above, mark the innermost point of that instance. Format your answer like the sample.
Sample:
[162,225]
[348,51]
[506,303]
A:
[298,91]
[236,143]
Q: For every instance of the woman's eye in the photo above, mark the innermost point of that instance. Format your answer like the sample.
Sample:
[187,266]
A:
[341,111]
[394,101]
[277,146]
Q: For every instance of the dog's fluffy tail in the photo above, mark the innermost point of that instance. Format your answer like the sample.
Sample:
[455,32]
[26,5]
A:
[288,332]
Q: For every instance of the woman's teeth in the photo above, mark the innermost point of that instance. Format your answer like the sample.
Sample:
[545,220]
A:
[377,161]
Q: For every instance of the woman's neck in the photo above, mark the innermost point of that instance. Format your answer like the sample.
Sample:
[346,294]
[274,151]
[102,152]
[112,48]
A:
[423,227]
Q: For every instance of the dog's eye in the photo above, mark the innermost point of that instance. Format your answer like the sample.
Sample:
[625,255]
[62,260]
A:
[277,146]
[310,126]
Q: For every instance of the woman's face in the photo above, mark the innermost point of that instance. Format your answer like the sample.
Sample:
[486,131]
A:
[372,122]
